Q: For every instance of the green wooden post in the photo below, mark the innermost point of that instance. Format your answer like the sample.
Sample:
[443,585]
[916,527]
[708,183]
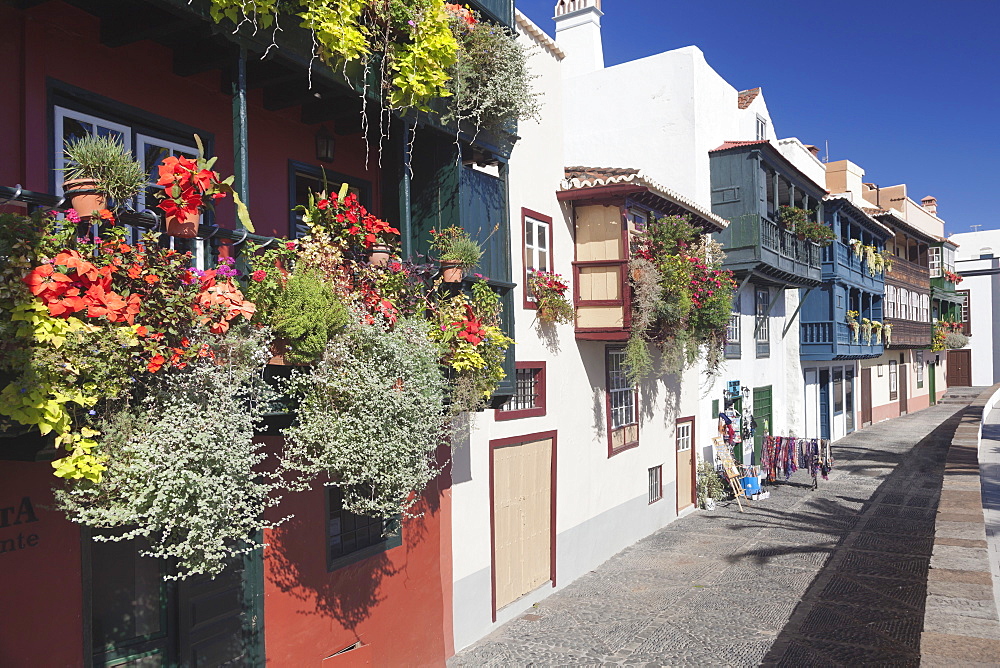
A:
[241,168]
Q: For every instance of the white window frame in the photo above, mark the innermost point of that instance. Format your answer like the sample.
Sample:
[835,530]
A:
[919,366]
[60,114]
[949,259]
[638,218]
[925,308]
[934,261]
[540,230]
[903,300]
[915,307]
[621,393]
[890,301]
[761,128]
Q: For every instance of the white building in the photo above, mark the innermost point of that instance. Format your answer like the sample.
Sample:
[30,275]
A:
[978,262]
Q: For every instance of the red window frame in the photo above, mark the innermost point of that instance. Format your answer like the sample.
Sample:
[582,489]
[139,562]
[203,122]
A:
[539,408]
[628,445]
[525,214]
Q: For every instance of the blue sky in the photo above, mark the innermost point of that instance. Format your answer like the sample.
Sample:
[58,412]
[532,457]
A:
[908,90]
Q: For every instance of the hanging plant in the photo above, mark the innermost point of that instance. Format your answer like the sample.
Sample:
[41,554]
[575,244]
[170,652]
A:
[876,328]
[866,330]
[852,324]
[858,248]
[887,260]
[887,333]
[549,291]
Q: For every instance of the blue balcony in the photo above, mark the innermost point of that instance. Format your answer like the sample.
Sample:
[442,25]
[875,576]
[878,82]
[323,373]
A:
[834,341]
[840,263]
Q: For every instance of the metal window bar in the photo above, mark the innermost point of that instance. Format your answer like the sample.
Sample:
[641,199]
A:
[525,391]
[621,392]
[655,487]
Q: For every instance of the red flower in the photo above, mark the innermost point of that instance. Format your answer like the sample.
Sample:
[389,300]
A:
[258,275]
[155,363]
[142,330]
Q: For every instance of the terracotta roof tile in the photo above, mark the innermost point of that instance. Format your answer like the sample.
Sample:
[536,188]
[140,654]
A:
[747,96]
[731,144]
[579,178]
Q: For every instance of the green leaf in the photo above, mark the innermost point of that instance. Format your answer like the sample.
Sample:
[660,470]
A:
[243,213]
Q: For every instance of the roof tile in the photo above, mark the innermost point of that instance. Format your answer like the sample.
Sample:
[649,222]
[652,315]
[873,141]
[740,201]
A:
[747,96]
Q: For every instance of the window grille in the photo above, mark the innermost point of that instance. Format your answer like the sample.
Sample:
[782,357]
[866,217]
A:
[621,392]
[762,334]
[655,483]
[525,390]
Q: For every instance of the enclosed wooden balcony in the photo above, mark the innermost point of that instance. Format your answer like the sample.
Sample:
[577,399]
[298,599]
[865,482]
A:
[834,341]
[909,334]
[755,243]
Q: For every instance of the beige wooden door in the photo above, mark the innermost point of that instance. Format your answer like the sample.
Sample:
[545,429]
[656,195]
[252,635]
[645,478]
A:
[685,465]
[522,483]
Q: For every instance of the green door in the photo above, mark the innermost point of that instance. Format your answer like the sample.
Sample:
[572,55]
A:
[932,382]
[762,414]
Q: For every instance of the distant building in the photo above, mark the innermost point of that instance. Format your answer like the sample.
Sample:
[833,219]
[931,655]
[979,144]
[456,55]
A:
[977,261]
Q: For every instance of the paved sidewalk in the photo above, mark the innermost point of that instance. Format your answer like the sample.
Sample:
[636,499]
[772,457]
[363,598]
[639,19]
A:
[836,576]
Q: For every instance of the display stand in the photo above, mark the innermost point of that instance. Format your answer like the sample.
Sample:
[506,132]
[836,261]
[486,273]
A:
[730,470]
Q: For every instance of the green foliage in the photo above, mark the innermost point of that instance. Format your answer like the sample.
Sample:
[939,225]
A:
[308,313]
[490,83]
[453,244]
[420,66]
[186,472]
[709,483]
[682,299]
[336,26]
[108,162]
[371,416]
[800,221]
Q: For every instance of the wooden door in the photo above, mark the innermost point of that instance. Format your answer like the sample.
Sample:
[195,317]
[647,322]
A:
[866,396]
[763,415]
[904,390]
[959,368]
[522,530]
[824,403]
[210,618]
[685,464]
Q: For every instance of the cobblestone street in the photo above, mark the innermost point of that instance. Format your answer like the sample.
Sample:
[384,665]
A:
[835,576]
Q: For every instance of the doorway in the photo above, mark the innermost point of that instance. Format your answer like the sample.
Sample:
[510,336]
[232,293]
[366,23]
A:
[932,382]
[904,390]
[866,396]
[959,372]
[685,464]
[824,403]
[522,483]
[762,414]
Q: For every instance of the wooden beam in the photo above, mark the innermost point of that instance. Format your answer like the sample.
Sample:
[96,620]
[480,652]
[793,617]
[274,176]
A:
[126,24]
[290,94]
[195,58]
[332,109]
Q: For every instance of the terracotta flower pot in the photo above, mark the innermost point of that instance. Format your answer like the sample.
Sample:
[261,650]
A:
[84,197]
[451,272]
[378,255]
[186,226]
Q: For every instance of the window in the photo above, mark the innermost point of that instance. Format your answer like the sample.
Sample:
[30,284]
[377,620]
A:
[964,311]
[537,248]
[893,380]
[934,261]
[919,367]
[622,400]
[761,330]
[150,149]
[761,128]
[350,537]
[915,307]
[529,392]
[948,259]
[985,253]
[655,483]
[638,219]
[305,178]
[890,301]
[838,390]
[733,331]
[903,303]
[925,308]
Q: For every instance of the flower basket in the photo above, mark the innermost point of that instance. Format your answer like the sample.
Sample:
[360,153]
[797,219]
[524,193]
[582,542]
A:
[452,272]
[84,196]
[183,224]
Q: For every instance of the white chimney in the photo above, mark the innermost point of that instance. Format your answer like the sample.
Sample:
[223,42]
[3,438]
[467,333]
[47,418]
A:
[930,204]
[578,33]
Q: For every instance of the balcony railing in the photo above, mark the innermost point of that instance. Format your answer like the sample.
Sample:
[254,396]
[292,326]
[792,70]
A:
[753,240]
[839,260]
[909,274]
[909,334]
[833,340]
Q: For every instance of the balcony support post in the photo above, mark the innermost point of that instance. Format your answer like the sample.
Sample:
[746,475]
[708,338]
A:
[788,323]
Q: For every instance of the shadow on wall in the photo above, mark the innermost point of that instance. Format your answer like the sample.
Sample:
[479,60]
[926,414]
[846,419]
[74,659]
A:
[297,565]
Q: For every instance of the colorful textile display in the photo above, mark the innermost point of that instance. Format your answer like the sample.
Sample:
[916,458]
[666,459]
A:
[784,455]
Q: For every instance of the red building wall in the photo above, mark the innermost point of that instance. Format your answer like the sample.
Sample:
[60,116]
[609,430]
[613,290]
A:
[41,597]
[397,604]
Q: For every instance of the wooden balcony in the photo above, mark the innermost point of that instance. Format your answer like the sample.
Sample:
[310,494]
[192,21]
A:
[909,334]
[834,341]
[908,275]
[501,11]
[754,243]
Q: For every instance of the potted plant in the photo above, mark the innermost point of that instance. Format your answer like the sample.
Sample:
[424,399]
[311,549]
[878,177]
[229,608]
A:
[709,486]
[866,330]
[99,169]
[818,233]
[456,251]
[877,331]
[190,187]
[852,324]
[549,290]
[887,260]
[887,333]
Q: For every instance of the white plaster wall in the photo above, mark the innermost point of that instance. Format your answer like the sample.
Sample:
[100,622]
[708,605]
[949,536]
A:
[601,502]
[796,153]
[811,398]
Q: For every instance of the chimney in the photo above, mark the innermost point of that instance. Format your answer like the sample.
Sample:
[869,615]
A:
[930,204]
[812,149]
[843,176]
[578,33]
